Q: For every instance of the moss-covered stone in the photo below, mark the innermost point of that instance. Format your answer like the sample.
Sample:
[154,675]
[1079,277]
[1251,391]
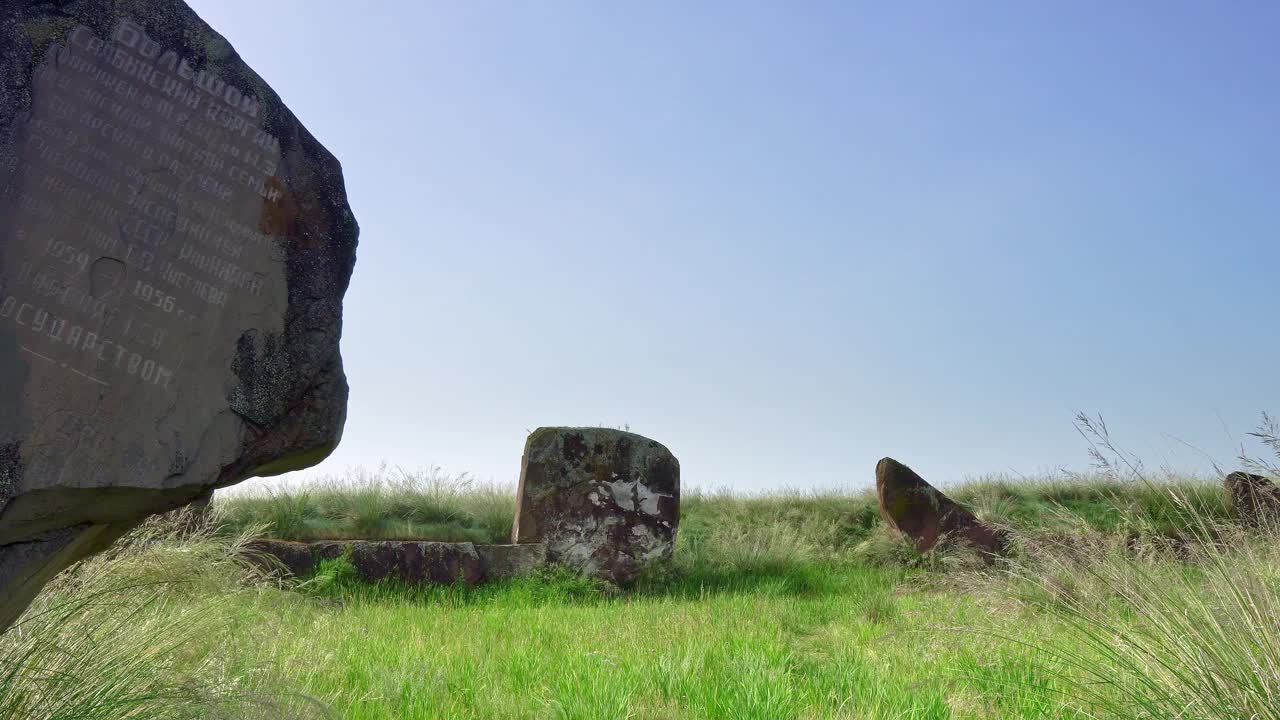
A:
[925,515]
[605,502]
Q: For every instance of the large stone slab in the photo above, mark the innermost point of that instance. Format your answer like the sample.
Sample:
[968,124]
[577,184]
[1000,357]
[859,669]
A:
[503,562]
[924,514]
[605,502]
[407,561]
[411,561]
[174,249]
[282,557]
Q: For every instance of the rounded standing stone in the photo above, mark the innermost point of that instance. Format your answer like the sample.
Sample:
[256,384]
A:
[605,502]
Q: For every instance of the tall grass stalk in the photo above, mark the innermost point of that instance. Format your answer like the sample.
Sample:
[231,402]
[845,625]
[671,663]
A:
[1185,627]
[389,503]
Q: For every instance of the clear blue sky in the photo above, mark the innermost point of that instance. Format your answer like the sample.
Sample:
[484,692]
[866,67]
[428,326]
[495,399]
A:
[787,239]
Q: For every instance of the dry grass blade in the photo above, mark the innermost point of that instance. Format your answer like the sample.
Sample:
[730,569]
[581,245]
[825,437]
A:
[146,630]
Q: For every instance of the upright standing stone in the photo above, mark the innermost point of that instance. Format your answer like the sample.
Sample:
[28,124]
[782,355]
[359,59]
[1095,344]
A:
[174,249]
[921,512]
[605,502]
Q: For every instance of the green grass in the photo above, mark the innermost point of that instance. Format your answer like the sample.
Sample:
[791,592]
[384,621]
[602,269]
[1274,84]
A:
[845,642]
[1125,600]
[153,629]
[430,505]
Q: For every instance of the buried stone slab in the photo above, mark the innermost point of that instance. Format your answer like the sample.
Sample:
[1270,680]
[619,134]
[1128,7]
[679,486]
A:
[423,562]
[281,557]
[174,250]
[407,561]
[605,502]
[1254,498]
[922,513]
[502,562]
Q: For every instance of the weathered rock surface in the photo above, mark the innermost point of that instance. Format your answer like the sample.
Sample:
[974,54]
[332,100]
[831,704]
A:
[174,249]
[605,502]
[509,561]
[281,557]
[408,561]
[194,518]
[924,514]
[405,560]
[1254,498]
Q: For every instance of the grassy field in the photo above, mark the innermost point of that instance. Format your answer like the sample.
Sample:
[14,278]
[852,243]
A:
[1124,600]
[396,504]
[388,504]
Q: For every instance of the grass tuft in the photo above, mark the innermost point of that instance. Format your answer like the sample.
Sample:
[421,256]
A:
[150,629]
[389,504]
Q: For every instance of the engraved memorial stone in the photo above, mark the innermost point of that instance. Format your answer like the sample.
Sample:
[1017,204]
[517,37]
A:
[174,249]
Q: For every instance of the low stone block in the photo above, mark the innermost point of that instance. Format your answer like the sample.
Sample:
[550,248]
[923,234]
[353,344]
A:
[408,561]
[281,557]
[509,561]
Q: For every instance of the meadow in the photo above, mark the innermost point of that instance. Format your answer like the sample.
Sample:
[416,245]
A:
[1124,598]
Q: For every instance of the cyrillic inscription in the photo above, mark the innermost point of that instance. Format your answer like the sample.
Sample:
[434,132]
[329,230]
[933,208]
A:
[136,220]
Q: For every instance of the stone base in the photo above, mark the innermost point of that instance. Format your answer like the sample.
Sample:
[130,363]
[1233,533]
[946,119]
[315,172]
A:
[510,561]
[408,561]
[279,557]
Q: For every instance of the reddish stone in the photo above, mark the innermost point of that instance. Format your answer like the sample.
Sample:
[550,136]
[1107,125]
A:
[1254,498]
[281,557]
[924,514]
[408,561]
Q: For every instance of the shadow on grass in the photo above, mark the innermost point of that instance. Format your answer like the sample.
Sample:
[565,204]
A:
[558,587]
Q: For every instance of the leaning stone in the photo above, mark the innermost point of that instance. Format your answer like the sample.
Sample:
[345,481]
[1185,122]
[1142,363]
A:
[511,561]
[174,249]
[408,561]
[1254,498]
[922,513]
[605,502]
